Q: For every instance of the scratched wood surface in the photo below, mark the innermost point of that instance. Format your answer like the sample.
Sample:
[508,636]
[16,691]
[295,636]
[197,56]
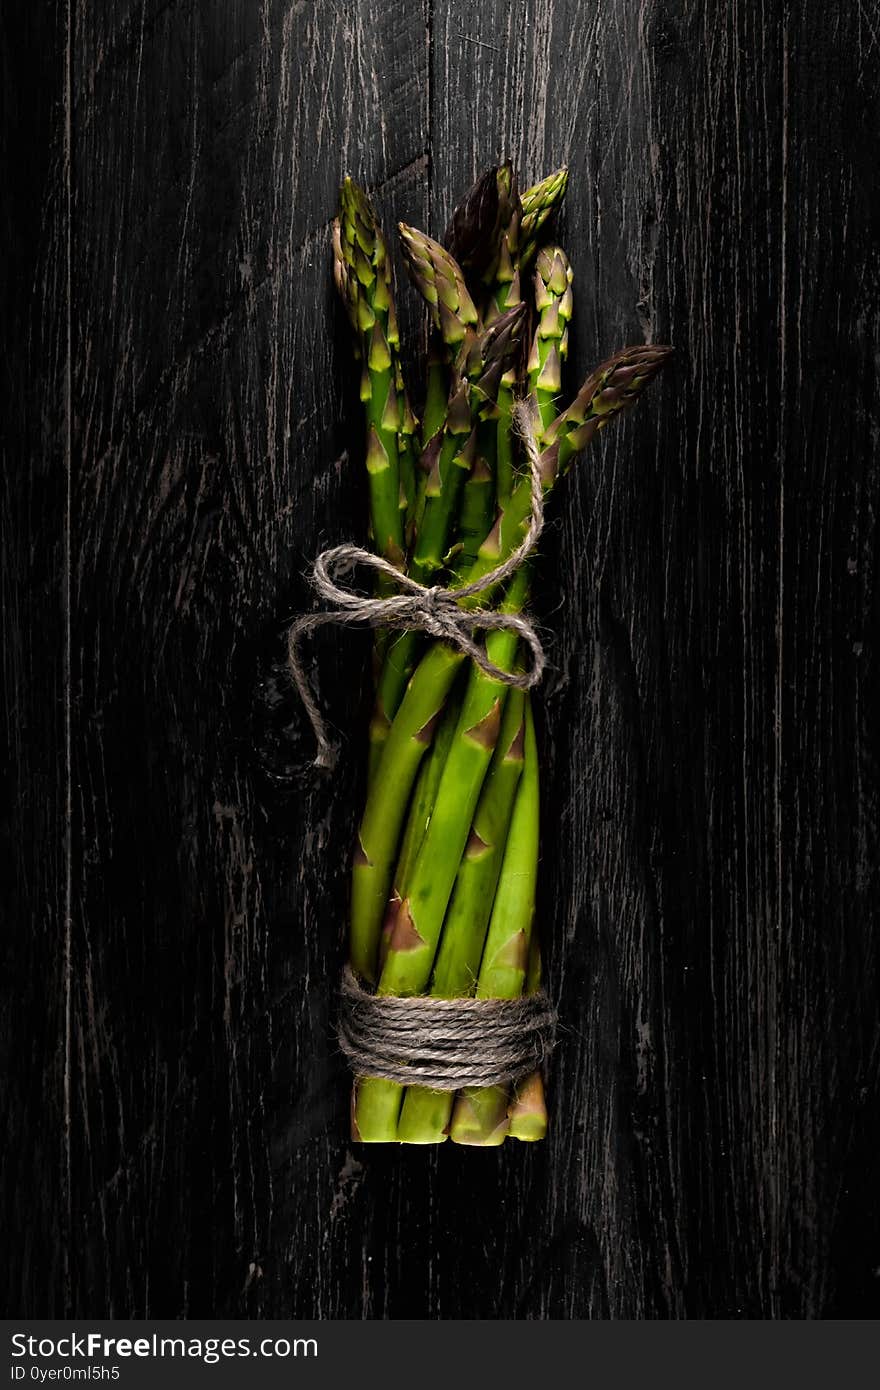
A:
[180,438]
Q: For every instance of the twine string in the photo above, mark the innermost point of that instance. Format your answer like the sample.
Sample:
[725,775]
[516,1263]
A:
[428,608]
[444,1044]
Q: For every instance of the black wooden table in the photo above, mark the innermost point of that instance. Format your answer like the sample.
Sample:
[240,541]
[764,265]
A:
[180,438]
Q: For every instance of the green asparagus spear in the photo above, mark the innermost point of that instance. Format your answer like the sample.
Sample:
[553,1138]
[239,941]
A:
[502,281]
[406,452]
[461,944]
[471,404]
[553,301]
[448,460]
[363,278]
[480,1115]
[501,277]
[518,244]
[424,1118]
[437,391]
[414,937]
[439,279]
[473,236]
[527,1113]
[408,740]
[478,497]
[479,225]
[422,807]
[528,1105]
[538,204]
[612,387]
[377,1101]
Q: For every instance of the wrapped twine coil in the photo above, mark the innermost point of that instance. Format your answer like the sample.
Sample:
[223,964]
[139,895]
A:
[444,1044]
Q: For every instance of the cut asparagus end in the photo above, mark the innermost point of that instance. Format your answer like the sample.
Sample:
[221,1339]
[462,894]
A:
[375,1108]
[480,1118]
[528,1110]
[424,1118]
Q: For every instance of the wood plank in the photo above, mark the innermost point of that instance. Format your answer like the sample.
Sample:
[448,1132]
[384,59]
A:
[34,553]
[214,415]
[706,880]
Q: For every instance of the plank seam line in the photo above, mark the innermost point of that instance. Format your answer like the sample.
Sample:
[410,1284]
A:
[67,661]
[429,114]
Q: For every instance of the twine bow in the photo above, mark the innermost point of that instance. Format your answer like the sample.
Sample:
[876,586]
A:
[429,608]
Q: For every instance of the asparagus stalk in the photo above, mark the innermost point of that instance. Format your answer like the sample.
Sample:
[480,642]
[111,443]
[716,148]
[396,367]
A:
[612,387]
[450,454]
[363,278]
[406,453]
[472,238]
[375,1109]
[506,951]
[437,390]
[501,277]
[553,301]
[483,235]
[413,939]
[527,1115]
[424,1118]
[533,971]
[478,497]
[480,1115]
[516,234]
[471,404]
[421,809]
[413,922]
[408,740]
[376,1102]
[503,280]
[477,226]
[519,244]
[439,279]
[528,1105]
[494,236]
[479,360]
[538,205]
[392,651]
[461,944]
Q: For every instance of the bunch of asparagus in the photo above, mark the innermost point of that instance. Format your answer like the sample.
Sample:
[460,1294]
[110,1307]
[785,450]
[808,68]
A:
[445,866]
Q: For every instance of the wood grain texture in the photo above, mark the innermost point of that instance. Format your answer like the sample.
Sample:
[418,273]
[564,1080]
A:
[34,547]
[182,437]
